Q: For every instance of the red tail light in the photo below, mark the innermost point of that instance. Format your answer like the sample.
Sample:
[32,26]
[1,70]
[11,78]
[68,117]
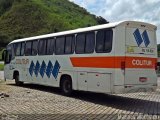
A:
[156,66]
[123,65]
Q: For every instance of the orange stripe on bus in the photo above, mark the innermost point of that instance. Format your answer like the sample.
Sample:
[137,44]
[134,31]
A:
[114,62]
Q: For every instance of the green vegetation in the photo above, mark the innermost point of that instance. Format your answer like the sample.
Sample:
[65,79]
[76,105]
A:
[26,18]
[1,67]
[1,50]
[0,55]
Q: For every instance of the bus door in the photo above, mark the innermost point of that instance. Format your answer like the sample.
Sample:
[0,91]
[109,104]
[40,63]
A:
[141,56]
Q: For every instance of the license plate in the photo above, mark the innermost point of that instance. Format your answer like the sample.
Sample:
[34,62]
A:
[142,79]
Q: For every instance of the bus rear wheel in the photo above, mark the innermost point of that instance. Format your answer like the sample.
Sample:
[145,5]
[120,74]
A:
[66,86]
[17,82]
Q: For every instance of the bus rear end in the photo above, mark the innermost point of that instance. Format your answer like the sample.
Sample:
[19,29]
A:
[136,61]
[140,57]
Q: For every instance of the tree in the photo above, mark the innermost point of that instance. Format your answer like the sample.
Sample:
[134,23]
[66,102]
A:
[5,5]
[101,20]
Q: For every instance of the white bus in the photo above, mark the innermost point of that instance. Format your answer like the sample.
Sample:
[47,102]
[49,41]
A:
[112,58]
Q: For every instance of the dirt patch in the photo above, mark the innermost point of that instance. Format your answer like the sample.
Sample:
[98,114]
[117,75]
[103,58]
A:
[4,87]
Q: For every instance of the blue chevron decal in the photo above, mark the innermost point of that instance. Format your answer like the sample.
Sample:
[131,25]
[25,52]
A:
[141,38]
[43,69]
[31,68]
[146,38]
[56,69]
[37,67]
[49,69]
[138,37]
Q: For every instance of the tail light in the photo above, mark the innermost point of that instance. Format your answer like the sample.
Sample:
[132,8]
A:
[123,65]
[156,66]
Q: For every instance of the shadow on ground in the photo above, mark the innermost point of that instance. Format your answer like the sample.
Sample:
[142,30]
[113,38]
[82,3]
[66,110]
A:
[117,102]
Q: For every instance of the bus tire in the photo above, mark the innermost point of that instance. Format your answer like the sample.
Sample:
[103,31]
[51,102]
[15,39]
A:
[66,85]
[17,82]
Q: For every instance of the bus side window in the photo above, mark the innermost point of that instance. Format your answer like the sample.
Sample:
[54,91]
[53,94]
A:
[85,43]
[73,43]
[80,43]
[50,46]
[17,49]
[69,44]
[90,42]
[28,48]
[34,47]
[12,52]
[42,47]
[22,48]
[104,41]
[60,44]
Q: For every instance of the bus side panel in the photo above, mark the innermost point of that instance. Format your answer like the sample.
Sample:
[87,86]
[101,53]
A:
[119,52]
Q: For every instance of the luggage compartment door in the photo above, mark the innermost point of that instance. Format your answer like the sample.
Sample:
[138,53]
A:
[99,82]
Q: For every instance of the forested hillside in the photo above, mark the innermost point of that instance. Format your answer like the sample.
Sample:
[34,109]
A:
[26,18]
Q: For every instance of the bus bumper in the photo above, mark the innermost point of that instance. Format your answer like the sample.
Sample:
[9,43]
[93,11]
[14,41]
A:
[135,88]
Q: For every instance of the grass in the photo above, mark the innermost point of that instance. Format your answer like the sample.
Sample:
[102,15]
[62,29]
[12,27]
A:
[1,51]
[0,54]
[1,67]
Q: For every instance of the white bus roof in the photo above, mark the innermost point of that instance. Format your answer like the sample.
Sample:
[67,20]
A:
[109,25]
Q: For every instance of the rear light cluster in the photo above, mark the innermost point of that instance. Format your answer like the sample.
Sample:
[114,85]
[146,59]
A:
[123,66]
[156,66]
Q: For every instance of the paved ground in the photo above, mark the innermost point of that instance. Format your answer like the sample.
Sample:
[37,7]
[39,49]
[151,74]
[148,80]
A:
[1,75]
[38,102]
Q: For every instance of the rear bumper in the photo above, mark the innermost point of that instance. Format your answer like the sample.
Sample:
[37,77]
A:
[135,88]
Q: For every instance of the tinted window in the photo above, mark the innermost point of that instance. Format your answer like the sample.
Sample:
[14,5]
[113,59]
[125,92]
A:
[104,41]
[22,48]
[50,46]
[8,56]
[80,43]
[90,42]
[17,48]
[12,51]
[28,48]
[42,47]
[69,45]
[85,43]
[34,47]
[60,42]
